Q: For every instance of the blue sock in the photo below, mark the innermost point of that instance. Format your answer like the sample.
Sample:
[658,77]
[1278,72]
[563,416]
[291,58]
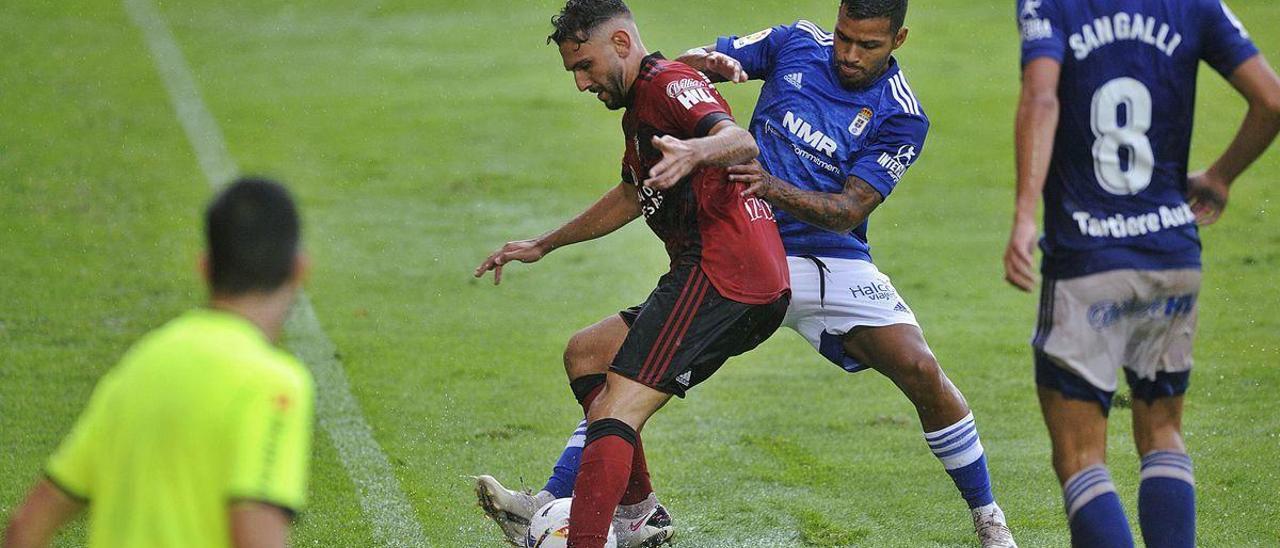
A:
[1094,512]
[566,471]
[1167,500]
[960,451]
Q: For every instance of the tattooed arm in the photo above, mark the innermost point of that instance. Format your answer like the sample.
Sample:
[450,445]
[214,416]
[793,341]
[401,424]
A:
[837,212]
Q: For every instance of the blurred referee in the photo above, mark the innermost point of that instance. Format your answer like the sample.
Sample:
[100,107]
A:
[201,435]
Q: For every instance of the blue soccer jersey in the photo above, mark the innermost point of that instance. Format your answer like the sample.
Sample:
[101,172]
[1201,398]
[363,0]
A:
[1115,193]
[816,134]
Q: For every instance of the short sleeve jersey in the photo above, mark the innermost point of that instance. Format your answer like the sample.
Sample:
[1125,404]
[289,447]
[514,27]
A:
[1115,192]
[704,219]
[200,413]
[815,134]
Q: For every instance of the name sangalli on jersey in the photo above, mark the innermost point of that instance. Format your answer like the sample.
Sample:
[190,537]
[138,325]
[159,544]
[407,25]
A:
[1124,26]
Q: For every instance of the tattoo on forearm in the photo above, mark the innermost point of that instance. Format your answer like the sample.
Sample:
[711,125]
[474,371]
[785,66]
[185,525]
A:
[835,212]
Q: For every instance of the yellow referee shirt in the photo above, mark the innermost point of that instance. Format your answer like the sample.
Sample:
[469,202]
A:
[198,414]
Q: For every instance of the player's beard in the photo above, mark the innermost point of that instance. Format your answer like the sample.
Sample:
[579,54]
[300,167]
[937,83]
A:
[615,94]
[864,77]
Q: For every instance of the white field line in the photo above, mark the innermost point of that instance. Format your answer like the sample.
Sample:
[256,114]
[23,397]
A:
[381,499]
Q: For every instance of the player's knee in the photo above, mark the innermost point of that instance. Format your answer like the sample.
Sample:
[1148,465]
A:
[1157,425]
[922,372]
[1069,459]
[577,356]
[1158,437]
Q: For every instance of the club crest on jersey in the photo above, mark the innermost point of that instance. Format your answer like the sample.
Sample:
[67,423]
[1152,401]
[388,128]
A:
[859,125]
[752,38]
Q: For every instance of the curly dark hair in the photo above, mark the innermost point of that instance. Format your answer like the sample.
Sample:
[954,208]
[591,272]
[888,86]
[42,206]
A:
[895,10]
[579,17]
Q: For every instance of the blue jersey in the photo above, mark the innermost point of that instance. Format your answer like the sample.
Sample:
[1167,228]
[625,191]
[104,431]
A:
[815,134]
[1115,193]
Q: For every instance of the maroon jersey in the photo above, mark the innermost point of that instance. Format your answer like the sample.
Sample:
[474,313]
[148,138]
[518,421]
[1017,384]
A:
[703,219]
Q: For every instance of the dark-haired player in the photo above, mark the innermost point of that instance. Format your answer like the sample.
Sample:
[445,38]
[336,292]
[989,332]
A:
[201,435]
[727,288]
[1103,135]
[838,126]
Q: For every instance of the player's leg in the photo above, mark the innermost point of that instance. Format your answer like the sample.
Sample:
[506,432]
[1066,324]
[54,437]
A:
[1167,494]
[684,333]
[1089,328]
[586,359]
[850,312]
[1078,431]
[900,353]
[612,445]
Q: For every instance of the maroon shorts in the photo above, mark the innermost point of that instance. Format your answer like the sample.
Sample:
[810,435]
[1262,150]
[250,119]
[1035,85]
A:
[686,330]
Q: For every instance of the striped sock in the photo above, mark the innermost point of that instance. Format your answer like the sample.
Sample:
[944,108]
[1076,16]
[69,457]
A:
[960,451]
[566,470]
[1094,512]
[606,469]
[1167,500]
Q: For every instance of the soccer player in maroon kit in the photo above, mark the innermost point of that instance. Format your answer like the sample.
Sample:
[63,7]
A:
[727,289]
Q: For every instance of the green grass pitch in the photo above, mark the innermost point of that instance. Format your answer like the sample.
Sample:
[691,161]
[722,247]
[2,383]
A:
[421,135]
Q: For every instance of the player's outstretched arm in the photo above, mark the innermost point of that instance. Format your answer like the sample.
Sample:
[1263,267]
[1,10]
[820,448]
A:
[1207,190]
[45,511]
[1037,122]
[612,211]
[717,66]
[725,145]
[837,212]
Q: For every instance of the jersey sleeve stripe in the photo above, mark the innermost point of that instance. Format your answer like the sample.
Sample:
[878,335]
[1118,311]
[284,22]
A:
[910,94]
[709,121]
[897,95]
[813,28]
[62,486]
[818,35]
[291,512]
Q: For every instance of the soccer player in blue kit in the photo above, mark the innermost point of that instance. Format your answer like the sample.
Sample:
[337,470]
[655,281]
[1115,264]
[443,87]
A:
[1103,134]
[838,126]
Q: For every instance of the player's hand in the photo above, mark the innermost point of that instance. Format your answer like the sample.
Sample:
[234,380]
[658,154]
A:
[716,63]
[1207,195]
[759,182]
[525,251]
[1019,268]
[678,160]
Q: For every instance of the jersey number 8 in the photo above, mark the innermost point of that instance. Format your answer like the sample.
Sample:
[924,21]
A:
[1113,134]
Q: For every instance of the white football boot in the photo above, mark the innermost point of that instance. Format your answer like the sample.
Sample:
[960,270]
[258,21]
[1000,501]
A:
[643,525]
[989,524]
[511,510]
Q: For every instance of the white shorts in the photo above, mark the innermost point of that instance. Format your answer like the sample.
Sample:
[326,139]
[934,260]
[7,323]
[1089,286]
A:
[1140,321]
[830,297]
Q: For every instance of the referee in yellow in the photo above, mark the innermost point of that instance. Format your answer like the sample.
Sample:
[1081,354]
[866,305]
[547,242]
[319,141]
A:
[201,435]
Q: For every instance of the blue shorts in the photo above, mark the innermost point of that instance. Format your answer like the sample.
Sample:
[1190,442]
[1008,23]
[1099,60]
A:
[1165,385]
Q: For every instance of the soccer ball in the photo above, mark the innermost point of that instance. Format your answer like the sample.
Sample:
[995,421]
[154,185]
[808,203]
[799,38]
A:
[549,527]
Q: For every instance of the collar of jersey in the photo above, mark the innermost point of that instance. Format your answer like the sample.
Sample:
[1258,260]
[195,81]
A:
[231,322]
[646,65]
